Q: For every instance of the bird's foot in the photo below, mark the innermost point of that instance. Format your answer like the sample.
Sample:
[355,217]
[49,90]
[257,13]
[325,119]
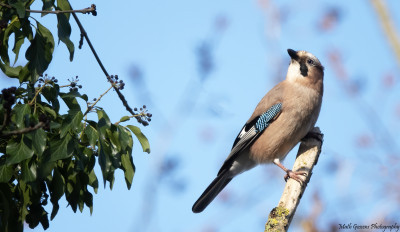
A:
[314,135]
[295,176]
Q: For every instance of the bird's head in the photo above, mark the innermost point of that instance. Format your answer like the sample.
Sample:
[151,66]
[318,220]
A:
[305,68]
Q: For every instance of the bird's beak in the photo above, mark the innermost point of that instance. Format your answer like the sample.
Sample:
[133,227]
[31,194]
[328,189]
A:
[293,54]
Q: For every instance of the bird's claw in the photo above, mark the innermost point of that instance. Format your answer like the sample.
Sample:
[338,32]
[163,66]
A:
[295,176]
[314,135]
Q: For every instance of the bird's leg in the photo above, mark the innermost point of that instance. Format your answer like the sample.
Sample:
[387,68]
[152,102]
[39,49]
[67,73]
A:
[290,173]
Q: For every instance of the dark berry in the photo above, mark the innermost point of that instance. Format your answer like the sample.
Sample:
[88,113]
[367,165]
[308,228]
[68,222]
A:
[135,109]
[144,106]
[43,118]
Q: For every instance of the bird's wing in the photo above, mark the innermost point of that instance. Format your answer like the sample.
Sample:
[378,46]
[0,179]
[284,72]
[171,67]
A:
[250,131]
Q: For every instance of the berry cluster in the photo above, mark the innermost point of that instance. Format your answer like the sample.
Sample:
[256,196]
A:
[119,84]
[143,117]
[93,8]
[74,86]
[8,96]
[3,23]
[46,80]
[43,118]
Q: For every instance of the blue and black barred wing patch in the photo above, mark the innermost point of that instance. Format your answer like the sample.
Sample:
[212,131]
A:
[251,131]
[265,119]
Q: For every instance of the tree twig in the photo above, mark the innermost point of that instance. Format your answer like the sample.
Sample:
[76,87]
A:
[388,26]
[6,116]
[281,216]
[95,102]
[120,95]
[91,9]
[23,131]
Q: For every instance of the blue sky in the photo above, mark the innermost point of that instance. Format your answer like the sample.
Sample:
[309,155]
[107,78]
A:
[196,118]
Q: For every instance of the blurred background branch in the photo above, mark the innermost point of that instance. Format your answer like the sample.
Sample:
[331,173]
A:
[388,26]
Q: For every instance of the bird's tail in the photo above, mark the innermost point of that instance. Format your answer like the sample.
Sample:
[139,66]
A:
[211,191]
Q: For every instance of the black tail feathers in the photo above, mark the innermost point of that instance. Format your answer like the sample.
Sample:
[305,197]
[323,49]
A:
[211,192]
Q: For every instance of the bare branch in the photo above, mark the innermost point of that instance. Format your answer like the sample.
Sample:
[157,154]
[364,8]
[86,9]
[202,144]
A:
[6,116]
[23,131]
[388,26]
[84,34]
[91,9]
[90,107]
[307,157]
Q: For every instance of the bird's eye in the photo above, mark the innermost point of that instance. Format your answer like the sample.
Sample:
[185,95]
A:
[310,62]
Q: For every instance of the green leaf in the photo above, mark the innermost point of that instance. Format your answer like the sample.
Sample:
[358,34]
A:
[104,160]
[72,123]
[19,151]
[92,135]
[70,100]
[64,28]
[129,168]
[19,40]
[20,112]
[40,52]
[45,167]
[5,200]
[50,111]
[61,148]
[125,138]
[88,199]
[19,5]
[124,119]
[113,135]
[141,137]
[10,71]
[25,193]
[73,94]
[6,173]
[54,125]
[47,5]
[24,74]
[93,181]
[51,94]
[28,171]
[56,188]
[39,141]
[103,124]
[13,27]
